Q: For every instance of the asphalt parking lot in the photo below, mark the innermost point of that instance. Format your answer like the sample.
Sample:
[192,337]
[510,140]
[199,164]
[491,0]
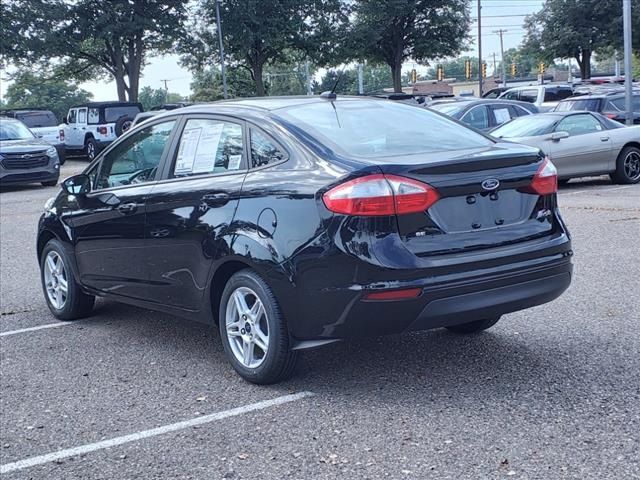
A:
[549,393]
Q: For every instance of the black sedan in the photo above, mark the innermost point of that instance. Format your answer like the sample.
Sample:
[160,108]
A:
[295,222]
[24,158]
[484,114]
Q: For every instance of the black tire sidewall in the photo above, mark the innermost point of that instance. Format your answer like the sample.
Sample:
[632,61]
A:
[268,371]
[620,176]
[120,123]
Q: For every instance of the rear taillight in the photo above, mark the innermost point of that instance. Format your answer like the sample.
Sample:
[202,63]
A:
[545,181]
[102,130]
[61,135]
[380,195]
[611,115]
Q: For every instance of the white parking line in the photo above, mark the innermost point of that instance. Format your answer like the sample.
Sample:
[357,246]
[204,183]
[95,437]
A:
[596,190]
[33,329]
[134,437]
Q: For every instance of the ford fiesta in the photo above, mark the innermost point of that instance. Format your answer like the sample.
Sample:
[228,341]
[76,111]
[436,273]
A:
[292,223]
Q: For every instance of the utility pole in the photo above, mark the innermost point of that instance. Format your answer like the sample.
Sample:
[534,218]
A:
[224,74]
[479,49]
[494,64]
[504,74]
[360,80]
[628,72]
[308,77]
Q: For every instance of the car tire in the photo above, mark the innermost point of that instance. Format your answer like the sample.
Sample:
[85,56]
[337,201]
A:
[473,327]
[52,183]
[123,124]
[75,303]
[627,166]
[90,148]
[246,327]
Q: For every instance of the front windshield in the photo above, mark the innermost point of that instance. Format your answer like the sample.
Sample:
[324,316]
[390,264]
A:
[379,128]
[10,130]
[527,126]
[448,108]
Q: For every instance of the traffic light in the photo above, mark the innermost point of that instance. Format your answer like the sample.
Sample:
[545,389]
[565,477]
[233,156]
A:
[467,69]
[414,76]
[484,70]
[440,73]
[541,68]
[514,70]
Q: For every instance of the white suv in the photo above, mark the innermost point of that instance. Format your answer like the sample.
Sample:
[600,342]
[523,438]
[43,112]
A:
[545,97]
[92,126]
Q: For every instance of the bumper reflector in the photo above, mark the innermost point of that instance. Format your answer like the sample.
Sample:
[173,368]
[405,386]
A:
[405,294]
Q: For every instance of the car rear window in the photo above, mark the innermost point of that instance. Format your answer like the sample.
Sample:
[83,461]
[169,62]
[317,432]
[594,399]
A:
[557,94]
[380,128]
[589,104]
[111,114]
[38,119]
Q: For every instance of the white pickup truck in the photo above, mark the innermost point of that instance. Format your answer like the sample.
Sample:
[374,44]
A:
[44,125]
[92,126]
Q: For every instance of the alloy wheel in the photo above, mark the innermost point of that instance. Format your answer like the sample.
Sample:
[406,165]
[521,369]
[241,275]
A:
[91,151]
[55,279]
[632,165]
[247,327]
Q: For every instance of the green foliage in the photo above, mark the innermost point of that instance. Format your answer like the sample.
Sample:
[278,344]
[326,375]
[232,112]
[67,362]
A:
[391,31]
[155,97]
[89,39]
[455,68]
[260,33]
[30,90]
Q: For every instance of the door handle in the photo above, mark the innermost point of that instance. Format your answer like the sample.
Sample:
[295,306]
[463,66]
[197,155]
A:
[604,139]
[127,208]
[215,199]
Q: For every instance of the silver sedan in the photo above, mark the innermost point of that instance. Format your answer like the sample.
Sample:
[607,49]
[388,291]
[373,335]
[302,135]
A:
[580,143]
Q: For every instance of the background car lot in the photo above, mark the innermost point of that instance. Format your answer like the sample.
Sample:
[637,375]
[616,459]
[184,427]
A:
[551,392]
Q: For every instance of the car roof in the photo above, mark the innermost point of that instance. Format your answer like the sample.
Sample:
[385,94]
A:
[25,110]
[467,103]
[546,86]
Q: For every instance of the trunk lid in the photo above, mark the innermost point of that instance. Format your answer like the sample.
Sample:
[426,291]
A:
[482,203]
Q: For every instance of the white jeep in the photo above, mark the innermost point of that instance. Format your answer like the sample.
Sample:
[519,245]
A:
[92,126]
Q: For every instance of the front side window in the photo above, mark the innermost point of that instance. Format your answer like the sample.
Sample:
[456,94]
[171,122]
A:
[477,117]
[71,118]
[530,96]
[135,160]
[511,95]
[264,151]
[503,114]
[529,126]
[579,125]
[209,146]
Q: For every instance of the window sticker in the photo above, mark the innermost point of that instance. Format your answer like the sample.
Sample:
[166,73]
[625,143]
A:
[234,162]
[207,147]
[187,150]
[502,115]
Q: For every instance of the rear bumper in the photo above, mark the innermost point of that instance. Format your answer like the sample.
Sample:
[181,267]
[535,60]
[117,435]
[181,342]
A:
[485,289]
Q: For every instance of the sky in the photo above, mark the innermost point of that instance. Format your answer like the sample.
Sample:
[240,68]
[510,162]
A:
[496,14]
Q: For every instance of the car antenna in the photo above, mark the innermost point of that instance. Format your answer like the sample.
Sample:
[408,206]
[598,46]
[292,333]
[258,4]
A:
[331,95]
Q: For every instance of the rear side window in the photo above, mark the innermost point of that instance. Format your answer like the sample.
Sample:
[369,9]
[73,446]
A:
[619,104]
[589,104]
[93,115]
[38,119]
[209,146]
[264,151]
[503,114]
[477,117]
[530,96]
[557,94]
[511,95]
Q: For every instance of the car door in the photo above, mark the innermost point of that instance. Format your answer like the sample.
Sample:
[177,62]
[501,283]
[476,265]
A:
[71,130]
[80,127]
[190,212]
[108,226]
[587,149]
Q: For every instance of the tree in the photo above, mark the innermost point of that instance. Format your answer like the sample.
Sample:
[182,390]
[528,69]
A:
[455,68]
[152,97]
[391,31]
[259,33]
[89,39]
[576,29]
[30,90]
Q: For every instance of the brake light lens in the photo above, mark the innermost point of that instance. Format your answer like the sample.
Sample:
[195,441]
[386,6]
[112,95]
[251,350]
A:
[380,195]
[61,135]
[102,130]
[611,115]
[545,181]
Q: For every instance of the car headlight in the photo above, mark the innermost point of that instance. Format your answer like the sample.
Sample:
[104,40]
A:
[52,152]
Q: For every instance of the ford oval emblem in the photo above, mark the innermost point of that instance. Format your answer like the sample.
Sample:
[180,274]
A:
[490,184]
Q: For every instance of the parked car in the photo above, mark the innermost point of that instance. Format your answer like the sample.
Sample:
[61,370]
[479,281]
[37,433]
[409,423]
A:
[91,127]
[24,158]
[545,97]
[484,114]
[610,103]
[43,124]
[580,143]
[300,221]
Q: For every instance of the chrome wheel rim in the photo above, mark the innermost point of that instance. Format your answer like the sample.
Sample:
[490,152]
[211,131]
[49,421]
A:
[55,280]
[91,151]
[632,165]
[247,327]
[126,125]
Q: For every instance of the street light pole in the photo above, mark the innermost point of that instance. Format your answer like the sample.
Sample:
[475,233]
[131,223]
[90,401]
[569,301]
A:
[479,49]
[224,73]
[628,72]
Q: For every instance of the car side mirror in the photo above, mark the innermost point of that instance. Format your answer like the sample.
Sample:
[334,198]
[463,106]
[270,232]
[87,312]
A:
[557,136]
[77,185]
